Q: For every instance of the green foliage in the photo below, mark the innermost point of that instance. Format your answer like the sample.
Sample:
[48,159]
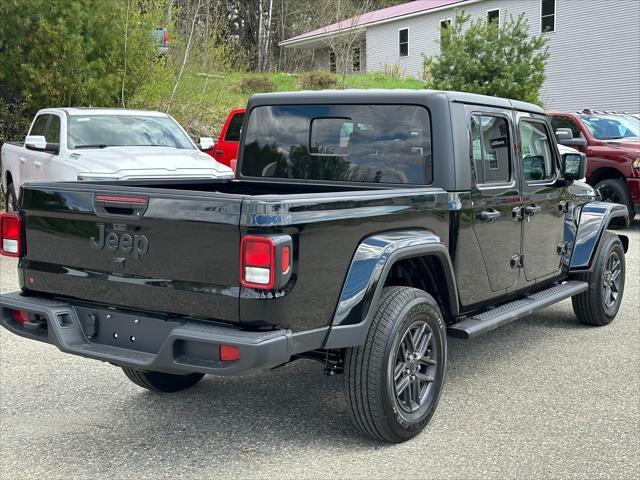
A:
[392,70]
[319,80]
[256,84]
[484,58]
[72,52]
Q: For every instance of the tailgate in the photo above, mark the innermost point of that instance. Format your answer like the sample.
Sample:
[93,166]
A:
[170,251]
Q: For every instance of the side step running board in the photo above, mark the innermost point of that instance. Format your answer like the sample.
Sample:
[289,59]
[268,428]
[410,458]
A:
[507,313]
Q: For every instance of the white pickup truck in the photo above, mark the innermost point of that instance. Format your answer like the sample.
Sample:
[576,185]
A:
[85,144]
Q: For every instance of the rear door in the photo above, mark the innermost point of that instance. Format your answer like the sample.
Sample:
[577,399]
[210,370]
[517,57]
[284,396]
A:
[543,213]
[150,249]
[495,194]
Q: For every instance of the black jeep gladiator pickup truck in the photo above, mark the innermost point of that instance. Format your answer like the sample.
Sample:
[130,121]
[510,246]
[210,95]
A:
[361,228]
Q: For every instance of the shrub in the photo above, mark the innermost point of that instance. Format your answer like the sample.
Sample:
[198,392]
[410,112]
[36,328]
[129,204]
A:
[318,80]
[256,84]
[486,58]
[392,70]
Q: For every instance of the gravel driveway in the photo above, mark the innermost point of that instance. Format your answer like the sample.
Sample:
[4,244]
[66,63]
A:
[543,397]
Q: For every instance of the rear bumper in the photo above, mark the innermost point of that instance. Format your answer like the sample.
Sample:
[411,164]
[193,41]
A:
[148,343]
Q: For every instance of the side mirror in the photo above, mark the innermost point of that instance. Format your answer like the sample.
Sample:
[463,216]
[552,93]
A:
[38,143]
[564,134]
[35,142]
[205,143]
[574,166]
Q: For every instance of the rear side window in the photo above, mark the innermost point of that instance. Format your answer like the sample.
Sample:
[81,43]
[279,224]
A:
[490,150]
[355,143]
[537,155]
[234,128]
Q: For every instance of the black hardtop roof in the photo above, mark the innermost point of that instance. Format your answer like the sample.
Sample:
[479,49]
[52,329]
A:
[418,97]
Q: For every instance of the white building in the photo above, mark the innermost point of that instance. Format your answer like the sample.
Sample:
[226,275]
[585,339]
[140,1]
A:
[594,45]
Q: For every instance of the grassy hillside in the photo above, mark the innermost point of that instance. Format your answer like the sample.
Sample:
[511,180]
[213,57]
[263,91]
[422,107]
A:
[202,102]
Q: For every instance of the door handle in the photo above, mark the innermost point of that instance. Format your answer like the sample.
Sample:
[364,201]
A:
[219,152]
[22,160]
[531,210]
[488,215]
[37,164]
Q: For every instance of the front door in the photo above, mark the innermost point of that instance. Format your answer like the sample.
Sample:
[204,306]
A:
[494,195]
[542,208]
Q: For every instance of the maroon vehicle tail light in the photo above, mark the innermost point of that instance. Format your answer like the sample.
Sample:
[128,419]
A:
[10,235]
[266,262]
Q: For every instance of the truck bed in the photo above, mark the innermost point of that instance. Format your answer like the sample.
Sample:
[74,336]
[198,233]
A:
[177,250]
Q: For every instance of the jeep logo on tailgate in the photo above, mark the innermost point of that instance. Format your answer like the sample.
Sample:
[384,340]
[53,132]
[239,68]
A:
[124,243]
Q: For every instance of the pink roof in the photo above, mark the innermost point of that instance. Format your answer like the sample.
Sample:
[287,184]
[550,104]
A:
[375,17]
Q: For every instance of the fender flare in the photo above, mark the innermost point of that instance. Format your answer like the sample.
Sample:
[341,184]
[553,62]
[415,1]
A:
[593,222]
[367,273]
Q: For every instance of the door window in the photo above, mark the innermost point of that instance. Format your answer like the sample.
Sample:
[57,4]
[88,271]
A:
[538,162]
[40,125]
[235,128]
[489,149]
[53,132]
[566,122]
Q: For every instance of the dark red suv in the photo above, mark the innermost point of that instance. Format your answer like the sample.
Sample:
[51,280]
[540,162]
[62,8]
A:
[612,146]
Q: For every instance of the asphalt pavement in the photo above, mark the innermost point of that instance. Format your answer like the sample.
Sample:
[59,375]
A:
[544,397]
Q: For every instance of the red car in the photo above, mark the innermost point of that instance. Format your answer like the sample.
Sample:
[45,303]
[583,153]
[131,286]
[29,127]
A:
[226,148]
[612,146]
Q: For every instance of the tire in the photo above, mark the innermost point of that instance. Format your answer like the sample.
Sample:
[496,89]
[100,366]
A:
[616,191]
[371,369]
[11,201]
[161,382]
[597,305]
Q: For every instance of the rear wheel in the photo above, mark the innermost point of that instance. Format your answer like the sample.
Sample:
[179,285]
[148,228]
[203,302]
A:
[161,382]
[600,303]
[616,191]
[11,200]
[395,379]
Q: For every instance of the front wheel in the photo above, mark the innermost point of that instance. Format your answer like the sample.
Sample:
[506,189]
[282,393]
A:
[616,191]
[395,379]
[600,303]
[161,382]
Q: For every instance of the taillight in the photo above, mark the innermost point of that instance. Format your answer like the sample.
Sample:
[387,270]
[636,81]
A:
[20,316]
[165,38]
[10,238]
[258,256]
[229,353]
[266,262]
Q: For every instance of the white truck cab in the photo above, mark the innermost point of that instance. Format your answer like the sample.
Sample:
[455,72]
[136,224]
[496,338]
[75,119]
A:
[84,144]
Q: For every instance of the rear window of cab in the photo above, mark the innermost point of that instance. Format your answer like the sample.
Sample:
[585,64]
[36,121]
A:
[353,143]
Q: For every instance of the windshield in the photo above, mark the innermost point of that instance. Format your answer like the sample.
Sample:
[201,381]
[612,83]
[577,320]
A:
[609,127]
[101,131]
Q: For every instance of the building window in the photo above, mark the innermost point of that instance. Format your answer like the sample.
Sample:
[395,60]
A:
[548,15]
[403,42]
[493,16]
[356,59]
[444,25]
[332,62]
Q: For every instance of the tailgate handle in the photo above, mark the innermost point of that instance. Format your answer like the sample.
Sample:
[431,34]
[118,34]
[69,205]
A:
[107,205]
